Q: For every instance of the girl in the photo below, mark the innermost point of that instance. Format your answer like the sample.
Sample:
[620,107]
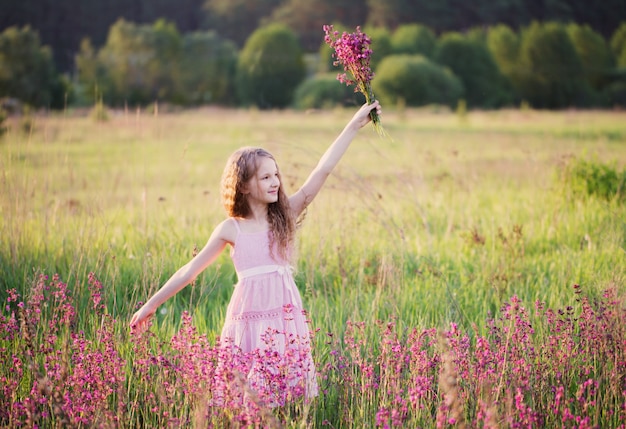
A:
[265,317]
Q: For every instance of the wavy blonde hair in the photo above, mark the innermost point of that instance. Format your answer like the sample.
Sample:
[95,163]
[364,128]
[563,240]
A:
[241,166]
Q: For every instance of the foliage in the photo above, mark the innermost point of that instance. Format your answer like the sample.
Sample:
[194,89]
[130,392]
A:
[594,53]
[236,20]
[471,61]
[416,80]
[207,68]
[504,45]
[616,93]
[99,112]
[63,26]
[26,68]
[3,125]
[270,67]
[306,18]
[325,52]
[381,44]
[447,256]
[145,63]
[323,91]
[551,74]
[92,75]
[582,177]
[551,363]
[618,44]
[139,63]
[413,39]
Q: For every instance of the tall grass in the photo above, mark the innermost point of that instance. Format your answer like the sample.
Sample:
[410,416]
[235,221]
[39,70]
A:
[450,275]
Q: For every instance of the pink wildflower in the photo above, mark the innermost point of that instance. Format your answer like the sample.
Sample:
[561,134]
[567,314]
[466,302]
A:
[352,51]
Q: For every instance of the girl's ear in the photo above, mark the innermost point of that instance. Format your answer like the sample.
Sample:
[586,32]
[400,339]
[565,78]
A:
[244,189]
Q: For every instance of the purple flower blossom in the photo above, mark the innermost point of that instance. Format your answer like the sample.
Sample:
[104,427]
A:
[352,51]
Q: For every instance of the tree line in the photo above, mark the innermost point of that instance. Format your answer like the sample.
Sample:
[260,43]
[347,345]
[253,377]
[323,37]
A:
[545,64]
[63,24]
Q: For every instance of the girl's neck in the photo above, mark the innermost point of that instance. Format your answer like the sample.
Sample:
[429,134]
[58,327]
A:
[258,215]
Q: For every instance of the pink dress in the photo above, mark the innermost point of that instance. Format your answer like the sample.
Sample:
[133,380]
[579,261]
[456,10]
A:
[265,318]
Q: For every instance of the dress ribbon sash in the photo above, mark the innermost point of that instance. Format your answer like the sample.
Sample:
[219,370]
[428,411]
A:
[285,271]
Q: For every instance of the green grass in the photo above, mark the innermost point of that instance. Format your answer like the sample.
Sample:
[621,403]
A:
[442,223]
[131,197]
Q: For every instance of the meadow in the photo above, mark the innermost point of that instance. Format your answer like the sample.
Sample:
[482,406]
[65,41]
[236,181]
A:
[453,274]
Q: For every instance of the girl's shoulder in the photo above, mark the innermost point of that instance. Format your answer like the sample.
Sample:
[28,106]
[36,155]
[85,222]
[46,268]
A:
[228,230]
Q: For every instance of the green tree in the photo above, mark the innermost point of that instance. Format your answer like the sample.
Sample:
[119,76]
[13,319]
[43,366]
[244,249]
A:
[324,90]
[413,39]
[93,79]
[326,60]
[207,68]
[416,81]
[471,61]
[381,44]
[237,19]
[27,69]
[270,67]
[594,53]
[504,45]
[141,62]
[618,45]
[306,18]
[550,73]
[385,13]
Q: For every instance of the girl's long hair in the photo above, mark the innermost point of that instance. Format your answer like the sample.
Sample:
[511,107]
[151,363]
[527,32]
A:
[241,166]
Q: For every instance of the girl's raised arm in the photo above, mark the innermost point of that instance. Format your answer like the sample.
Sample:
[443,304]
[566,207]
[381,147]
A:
[223,234]
[331,157]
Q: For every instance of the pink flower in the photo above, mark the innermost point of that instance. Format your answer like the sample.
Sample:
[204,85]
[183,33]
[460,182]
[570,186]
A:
[352,51]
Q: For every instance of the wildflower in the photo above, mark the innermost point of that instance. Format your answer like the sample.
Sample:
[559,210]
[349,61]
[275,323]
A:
[352,51]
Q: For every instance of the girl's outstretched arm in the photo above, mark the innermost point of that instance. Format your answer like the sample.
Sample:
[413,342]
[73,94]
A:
[331,157]
[223,234]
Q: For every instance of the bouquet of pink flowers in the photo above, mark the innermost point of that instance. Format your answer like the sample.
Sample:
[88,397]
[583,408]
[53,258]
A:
[352,51]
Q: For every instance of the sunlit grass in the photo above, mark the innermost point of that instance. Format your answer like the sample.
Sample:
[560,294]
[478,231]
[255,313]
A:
[443,223]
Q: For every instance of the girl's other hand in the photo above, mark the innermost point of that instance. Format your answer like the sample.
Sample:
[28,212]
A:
[140,318]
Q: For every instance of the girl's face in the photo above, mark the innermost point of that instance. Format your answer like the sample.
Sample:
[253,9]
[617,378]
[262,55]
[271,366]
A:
[263,186]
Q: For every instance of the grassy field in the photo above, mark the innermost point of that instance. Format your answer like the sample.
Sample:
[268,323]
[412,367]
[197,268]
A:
[452,227]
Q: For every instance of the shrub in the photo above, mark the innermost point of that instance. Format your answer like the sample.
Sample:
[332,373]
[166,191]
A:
[618,45]
[591,178]
[326,52]
[270,67]
[27,70]
[550,71]
[616,93]
[381,44]
[138,64]
[594,53]
[413,39]
[416,80]
[470,60]
[324,90]
[504,45]
[3,126]
[207,68]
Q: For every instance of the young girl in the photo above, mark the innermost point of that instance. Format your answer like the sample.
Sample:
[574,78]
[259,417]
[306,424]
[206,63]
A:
[265,312]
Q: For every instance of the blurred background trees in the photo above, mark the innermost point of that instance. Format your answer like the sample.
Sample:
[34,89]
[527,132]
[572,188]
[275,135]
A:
[548,53]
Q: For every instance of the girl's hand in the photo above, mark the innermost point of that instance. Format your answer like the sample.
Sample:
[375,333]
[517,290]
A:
[362,116]
[141,317]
